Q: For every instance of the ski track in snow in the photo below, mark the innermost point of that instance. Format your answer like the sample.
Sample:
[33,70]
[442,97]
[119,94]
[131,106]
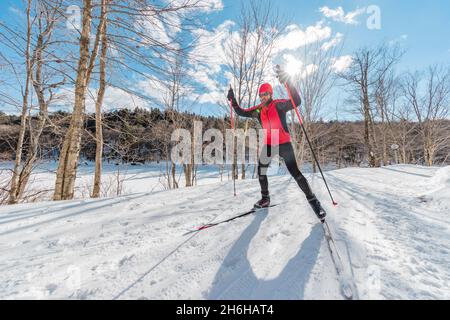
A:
[406,246]
[391,227]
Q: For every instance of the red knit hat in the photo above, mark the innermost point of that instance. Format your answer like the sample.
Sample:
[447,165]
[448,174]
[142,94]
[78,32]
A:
[265,87]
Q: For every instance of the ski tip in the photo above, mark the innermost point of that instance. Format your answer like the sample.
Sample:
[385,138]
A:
[335,203]
[347,291]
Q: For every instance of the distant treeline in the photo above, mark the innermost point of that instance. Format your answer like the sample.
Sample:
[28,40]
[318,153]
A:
[142,135]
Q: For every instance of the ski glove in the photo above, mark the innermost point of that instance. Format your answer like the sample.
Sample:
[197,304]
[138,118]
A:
[230,95]
[282,75]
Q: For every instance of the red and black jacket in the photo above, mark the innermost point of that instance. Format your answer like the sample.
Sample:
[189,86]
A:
[272,117]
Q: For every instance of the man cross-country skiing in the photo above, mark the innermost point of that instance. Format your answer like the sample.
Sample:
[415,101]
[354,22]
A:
[271,114]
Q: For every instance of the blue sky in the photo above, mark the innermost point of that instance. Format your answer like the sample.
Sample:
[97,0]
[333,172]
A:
[421,28]
[426,25]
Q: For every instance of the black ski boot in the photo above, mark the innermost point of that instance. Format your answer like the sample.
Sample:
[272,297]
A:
[263,203]
[318,210]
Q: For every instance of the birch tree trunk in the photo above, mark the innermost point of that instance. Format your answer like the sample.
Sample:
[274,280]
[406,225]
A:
[13,193]
[34,136]
[46,20]
[68,159]
[99,103]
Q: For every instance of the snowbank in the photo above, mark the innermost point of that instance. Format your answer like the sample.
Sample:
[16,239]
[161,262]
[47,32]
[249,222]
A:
[441,177]
[395,241]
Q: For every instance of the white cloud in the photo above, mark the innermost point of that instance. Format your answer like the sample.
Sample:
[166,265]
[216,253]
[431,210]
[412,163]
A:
[170,23]
[211,5]
[309,70]
[292,65]
[339,15]
[153,88]
[206,6]
[333,42]
[399,41]
[212,97]
[204,62]
[210,48]
[159,31]
[296,67]
[341,64]
[207,59]
[296,37]
[202,76]
[211,90]
[114,98]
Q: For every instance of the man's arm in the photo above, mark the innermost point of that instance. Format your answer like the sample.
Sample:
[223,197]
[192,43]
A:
[249,113]
[286,105]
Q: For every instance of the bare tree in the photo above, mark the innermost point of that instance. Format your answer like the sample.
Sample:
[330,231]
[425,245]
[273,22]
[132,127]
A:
[176,89]
[249,54]
[25,108]
[385,96]
[135,29]
[34,48]
[431,108]
[402,128]
[314,78]
[99,101]
[368,67]
[68,159]
[44,84]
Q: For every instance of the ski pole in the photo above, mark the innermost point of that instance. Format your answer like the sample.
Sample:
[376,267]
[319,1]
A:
[309,142]
[232,127]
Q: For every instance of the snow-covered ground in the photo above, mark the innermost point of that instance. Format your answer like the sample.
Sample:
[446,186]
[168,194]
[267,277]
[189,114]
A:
[116,179]
[124,179]
[392,226]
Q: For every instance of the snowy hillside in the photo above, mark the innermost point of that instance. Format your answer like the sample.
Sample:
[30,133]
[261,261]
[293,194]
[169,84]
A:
[392,226]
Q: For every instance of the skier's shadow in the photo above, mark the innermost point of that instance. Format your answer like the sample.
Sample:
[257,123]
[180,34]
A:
[236,280]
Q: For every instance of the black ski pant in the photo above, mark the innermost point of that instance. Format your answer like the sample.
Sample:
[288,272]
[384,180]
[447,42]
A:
[287,153]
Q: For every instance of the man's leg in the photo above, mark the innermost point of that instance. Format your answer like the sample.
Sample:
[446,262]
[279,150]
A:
[287,153]
[263,164]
